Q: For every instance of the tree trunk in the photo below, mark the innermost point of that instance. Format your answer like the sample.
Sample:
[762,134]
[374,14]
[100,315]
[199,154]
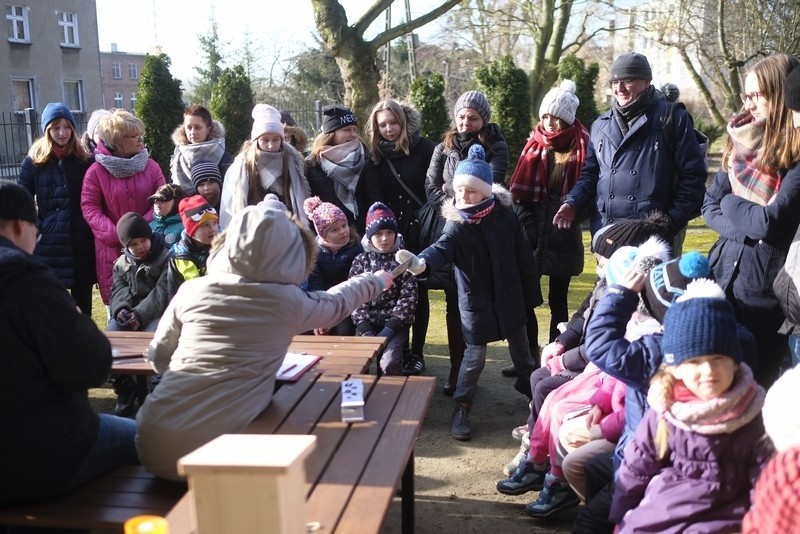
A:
[701,86]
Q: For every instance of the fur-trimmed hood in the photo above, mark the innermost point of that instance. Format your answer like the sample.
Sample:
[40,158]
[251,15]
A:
[450,213]
[179,135]
[413,118]
[299,135]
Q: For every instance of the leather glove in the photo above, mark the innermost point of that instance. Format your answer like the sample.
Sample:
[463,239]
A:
[417,265]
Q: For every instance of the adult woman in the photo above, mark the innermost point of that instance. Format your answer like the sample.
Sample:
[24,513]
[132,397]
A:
[266,164]
[399,161]
[471,114]
[53,173]
[121,180]
[550,165]
[754,206]
[198,138]
[335,166]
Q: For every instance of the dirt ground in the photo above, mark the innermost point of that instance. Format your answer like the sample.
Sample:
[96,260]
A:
[455,481]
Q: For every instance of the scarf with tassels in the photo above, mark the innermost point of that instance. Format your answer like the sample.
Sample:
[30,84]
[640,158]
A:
[343,163]
[473,213]
[531,181]
[722,415]
[746,180]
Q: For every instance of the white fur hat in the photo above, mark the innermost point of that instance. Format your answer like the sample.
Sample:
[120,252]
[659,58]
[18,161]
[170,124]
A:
[266,119]
[561,102]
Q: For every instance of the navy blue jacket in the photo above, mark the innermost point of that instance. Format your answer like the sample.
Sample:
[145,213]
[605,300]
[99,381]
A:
[627,177]
[332,269]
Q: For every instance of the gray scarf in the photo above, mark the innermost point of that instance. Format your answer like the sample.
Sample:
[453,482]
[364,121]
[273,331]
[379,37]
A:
[343,163]
[123,167]
[185,156]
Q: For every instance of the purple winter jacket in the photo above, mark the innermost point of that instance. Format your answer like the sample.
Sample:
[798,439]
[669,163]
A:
[703,486]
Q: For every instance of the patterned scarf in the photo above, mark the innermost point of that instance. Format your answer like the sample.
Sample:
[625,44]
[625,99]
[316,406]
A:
[746,180]
[473,213]
[211,150]
[530,181]
[343,163]
[123,167]
[722,415]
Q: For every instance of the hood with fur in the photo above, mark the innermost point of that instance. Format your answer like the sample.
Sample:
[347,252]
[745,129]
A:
[180,139]
[413,118]
[450,213]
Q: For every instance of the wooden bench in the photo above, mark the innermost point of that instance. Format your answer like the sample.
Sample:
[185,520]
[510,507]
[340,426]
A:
[104,503]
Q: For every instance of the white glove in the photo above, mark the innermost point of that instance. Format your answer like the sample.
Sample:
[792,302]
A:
[417,265]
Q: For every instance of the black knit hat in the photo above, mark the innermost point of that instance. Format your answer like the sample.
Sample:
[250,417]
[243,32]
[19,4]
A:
[630,232]
[132,225]
[791,90]
[668,281]
[16,203]
[631,65]
[205,170]
[335,117]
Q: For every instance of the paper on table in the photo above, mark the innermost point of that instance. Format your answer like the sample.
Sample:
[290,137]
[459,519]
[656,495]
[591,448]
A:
[295,364]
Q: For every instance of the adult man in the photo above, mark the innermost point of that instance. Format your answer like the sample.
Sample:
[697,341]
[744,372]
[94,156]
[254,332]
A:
[631,168]
[51,353]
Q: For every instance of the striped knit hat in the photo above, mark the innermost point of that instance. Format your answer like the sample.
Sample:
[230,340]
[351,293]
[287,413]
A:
[205,170]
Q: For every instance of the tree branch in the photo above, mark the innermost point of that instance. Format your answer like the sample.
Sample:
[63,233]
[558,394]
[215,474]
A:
[369,17]
[407,27]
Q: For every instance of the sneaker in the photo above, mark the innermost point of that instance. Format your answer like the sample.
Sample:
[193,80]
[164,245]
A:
[556,496]
[526,478]
[520,431]
[521,455]
[414,366]
[459,425]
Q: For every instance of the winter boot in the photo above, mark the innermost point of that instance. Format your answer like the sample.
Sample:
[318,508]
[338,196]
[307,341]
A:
[460,426]
[125,388]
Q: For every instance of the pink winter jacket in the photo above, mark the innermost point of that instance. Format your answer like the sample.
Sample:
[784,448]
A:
[104,199]
[610,397]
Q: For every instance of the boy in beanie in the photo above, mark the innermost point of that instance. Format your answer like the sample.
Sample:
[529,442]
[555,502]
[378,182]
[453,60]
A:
[207,180]
[52,355]
[337,246]
[391,314]
[187,257]
[494,273]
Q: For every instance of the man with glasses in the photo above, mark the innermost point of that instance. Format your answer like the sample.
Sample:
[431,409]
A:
[631,169]
[52,353]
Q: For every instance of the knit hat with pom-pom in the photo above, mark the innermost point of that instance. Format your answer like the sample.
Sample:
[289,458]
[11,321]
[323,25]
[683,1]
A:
[642,258]
[322,214]
[699,323]
[474,172]
[561,102]
[668,281]
[380,217]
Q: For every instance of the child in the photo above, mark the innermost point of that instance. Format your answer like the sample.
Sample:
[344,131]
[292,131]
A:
[207,181]
[698,450]
[265,164]
[391,314]
[166,219]
[219,354]
[337,246]
[187,258]
[138,296]
[494,272]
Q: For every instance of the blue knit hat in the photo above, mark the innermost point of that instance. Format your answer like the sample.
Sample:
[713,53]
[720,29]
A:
[668,281]
[643,258]
[380,217]
[699,323]
[474,172]
[56,110]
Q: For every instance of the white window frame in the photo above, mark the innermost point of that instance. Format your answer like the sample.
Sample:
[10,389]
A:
[116,70]
[73,95]
[133,71]
[69,29]
[18,105]
[18,24]
[133,102]
[117,99]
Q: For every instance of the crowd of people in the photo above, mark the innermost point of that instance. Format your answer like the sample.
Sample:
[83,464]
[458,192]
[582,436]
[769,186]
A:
[650,404]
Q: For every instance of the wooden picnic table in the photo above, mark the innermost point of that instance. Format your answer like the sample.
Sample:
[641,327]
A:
[340,354]
[356,468]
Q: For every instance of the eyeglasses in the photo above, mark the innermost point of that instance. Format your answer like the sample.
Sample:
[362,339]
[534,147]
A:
[753,97]
[628,82]
[138,137]
[196,217]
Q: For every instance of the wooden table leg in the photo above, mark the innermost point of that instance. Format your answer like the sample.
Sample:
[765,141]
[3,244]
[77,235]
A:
[407,497]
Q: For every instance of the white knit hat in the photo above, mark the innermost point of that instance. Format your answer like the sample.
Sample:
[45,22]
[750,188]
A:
[561,102]
[266,119]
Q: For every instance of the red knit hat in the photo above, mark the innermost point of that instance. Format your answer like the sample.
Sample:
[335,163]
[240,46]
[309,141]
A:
[776,508]
[195,211]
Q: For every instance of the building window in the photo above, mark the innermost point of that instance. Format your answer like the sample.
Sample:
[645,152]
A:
[69,29]
[133,72]
[21,94]
[116,70]
[117,100]
[17,17]
[73,95]
[133,102]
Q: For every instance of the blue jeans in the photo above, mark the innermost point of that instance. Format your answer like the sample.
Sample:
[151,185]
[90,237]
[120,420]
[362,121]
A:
[794,348]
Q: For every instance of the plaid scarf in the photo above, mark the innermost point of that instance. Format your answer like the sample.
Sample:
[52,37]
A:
[530,181]
[473,213]
[746,180]
[343,163]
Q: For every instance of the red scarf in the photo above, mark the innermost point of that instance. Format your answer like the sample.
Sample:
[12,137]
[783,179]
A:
[58,151]
[530,179]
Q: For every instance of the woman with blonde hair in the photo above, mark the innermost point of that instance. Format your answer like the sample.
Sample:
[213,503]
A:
[53,173]
[122,179]
[754,206]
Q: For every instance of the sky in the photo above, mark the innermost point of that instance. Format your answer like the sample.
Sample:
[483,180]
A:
[279,28]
